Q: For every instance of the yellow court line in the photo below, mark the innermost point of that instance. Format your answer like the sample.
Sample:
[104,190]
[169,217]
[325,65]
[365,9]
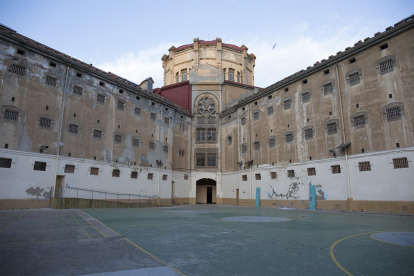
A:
[92,225]
[46,241]
[4,228]
[21,215]
[371,236]
[80,225]
[223,219]
[143,250]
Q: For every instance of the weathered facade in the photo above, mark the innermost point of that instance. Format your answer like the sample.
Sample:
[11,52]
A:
[343,126]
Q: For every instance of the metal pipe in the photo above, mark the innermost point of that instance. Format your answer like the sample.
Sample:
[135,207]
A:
[60,197]
[77,197]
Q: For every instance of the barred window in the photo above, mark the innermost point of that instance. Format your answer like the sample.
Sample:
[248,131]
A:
[153,116]
[289,138]
[336,169]
[5,162]
[256,145]
[18,69]
[134,175]
[181,153]
[51,81]
[201,120]
[184,76]
[97,133]
[244,177]
[116,173]
[137,111]
[286,104]
[186,177]
[211,160]
[151,145]
[273,175]
[256,116]
[305,97]
[272,142]
[201,135]
[386,66]
[100,98]
[311,171]
[400,163]
[270,111]
[258,176]
[359,120]
[165,148]
[94,171]
[291,173]
[244,148]
[364,166]
[120,105]
[211,120]
[229,140]
[393,113]
[118,138]
[135,142]
[332,128]
[39,166]
[327,89]
[69,169]
[73,128]
[308,133]
[150,176]
[11,115]
[165,176]
[177,78]
[231,76]
[166,120]
[243,121]
[77,90]
[211,135]
[354,78]
[45,122]
[201,160]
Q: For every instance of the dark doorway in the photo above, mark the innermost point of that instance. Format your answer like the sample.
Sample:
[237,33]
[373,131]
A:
[209,195]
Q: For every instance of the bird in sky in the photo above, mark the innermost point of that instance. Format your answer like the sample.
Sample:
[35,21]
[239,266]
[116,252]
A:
[274,46]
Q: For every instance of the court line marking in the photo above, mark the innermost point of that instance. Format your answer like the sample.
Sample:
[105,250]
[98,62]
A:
[143,250]
[80,225]
[333,245]
[170,223]
[223,219]
[371,236]
[4,228]
[14,243]
[92,225]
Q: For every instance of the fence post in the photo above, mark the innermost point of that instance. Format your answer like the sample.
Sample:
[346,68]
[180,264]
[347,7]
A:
[77,196]
[117,202]
[129,199]
[92,199]
[105,201]
[60,197]
[50,198]
[139,201]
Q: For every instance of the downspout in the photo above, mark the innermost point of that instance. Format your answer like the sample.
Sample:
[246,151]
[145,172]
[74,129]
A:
[344,139]
[60,130]
[250,155]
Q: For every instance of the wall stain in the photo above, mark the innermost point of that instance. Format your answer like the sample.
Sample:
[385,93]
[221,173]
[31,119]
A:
[291,193]
[35,192]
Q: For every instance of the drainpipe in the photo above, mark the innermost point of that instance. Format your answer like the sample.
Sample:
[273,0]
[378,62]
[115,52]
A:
[250,155]
[344,139]
[60,130]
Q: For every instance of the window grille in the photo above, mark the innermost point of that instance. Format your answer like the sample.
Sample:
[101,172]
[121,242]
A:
[69,169]
[286,104]
[386,66]
[256,145]
[51,81]
[272,142]
[39,166]
[164,177]
[243,121]
[256,116]
[77,90]
[332,128]
[201,135]
[359,120]
[364,166]
[273,175]
[100,98]
[270,111]
[231,77]
[97,133]
[244,177]
[184,77]
[291,173]
[134,175]
[11,115]
[150,176]
[327,89]
[229,140]
[116,173]
[354,78]
[211,160]
[166,120]
[137,111]
[18,69]
[258,176]
[177,78]
[45,122]
[186,177]
[211,120]
[120,105]
[336,169]
[305,97]
[289,138]
[5,163]
[153,116]
[201,160]
[181,153]
[400,163]
[118,138]
[311,171]
[135,142]
[211,135]
[94,171]
[238,78]
[201,120]
[151,145]
[308,133]
[244,148]
[165,149]
[73,128]
[393,113]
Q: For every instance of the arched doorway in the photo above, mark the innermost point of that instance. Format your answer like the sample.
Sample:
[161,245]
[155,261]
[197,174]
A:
[206,191]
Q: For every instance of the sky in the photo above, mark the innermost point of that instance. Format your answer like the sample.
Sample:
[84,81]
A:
[129,38]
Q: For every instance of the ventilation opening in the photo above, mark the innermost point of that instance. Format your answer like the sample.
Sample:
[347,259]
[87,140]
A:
[52,64]
[79,75]
[12,99]
[47,107]
[357,105]
[286,89]
[6,146]
[362,150]
[138,98]
[390,96]
[269,97]
[101,83]
[255,103]
[305,81]
[384,46]
[352,60]
[21,52]
[397,145]
[326,72]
